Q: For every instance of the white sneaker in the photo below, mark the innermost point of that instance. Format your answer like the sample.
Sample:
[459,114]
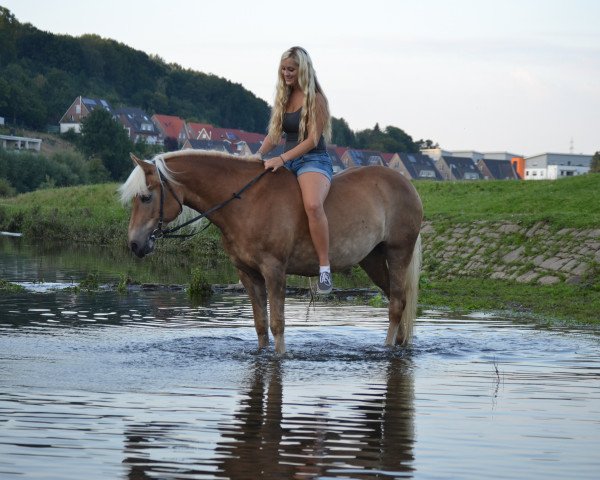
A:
[324,285]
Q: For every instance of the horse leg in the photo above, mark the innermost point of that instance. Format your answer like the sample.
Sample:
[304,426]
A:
[404,271]
[255,286]
[275,281]
[375,266]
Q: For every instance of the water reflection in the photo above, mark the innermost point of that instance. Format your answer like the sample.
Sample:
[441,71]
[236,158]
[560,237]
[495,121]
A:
[300,434]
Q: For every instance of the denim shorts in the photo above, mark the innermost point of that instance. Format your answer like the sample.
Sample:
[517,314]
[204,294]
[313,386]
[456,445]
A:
[311,162]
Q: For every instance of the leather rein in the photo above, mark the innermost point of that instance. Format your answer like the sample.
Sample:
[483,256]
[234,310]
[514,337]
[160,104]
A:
[168,233]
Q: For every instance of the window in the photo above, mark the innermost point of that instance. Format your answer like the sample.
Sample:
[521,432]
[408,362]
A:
[427,174]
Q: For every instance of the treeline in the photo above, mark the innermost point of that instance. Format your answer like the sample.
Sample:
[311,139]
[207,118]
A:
[42,73]
[22,172]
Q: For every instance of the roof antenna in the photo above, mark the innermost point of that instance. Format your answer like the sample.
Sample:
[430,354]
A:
[571,146]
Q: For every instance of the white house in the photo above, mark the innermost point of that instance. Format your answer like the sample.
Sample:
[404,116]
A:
[552,166]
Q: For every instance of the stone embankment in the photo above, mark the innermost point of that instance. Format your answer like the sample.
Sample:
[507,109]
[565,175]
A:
[509,251]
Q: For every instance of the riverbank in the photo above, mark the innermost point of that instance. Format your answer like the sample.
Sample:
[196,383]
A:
[530,247]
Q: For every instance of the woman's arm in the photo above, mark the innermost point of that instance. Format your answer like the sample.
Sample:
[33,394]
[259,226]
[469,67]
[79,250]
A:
[266,147]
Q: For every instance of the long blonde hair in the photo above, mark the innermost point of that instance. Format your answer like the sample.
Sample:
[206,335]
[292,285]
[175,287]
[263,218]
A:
[307,80]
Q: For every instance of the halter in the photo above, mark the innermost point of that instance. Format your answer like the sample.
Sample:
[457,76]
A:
[160,233]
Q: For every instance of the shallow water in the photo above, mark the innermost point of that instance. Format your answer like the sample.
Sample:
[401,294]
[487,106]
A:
[145,385]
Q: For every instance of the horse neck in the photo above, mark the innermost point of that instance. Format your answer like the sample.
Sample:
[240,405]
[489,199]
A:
[209,181]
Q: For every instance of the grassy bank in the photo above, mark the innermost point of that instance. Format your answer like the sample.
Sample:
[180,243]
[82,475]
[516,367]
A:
[93,214]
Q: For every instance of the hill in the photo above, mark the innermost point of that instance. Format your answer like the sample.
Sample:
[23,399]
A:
[41,73]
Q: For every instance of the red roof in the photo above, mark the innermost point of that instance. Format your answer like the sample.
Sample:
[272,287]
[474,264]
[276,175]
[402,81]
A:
[387,157]
[194,129]
[170,125]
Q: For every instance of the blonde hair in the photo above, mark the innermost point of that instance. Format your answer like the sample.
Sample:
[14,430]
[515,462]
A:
[307,80]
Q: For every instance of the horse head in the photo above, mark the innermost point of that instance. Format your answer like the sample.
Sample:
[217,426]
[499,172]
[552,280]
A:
[154,196]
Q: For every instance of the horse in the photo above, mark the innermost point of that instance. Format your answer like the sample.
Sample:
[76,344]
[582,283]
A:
[374,216]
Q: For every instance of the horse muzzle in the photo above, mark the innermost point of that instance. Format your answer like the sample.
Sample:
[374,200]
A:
[141,249]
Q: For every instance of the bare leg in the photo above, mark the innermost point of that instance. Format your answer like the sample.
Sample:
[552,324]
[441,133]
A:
[315,187]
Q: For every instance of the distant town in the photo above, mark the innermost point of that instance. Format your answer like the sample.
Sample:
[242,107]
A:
[428,164]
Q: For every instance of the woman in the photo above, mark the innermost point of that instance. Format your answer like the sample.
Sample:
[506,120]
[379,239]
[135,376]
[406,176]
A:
[301,112]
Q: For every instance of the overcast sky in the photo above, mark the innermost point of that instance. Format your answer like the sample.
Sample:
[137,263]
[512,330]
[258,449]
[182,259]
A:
[489,75]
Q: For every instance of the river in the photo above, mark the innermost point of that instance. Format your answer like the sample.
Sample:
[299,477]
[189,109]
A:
[147,384]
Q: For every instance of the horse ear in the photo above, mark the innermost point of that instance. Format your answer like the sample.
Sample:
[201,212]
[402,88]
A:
[145,166]
[136,160]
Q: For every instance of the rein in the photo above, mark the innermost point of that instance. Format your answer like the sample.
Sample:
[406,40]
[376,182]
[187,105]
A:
[168,233]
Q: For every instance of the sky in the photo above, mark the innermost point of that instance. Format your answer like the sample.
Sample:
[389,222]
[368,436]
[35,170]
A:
[521,76]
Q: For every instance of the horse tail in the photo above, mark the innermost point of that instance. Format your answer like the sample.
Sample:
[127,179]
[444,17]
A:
[412,294]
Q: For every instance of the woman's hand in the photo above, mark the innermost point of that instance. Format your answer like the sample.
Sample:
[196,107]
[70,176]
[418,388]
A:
[274,163]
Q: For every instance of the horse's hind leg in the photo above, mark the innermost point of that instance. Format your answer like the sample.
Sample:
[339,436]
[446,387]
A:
[404,270]
[376,267]
[255,286]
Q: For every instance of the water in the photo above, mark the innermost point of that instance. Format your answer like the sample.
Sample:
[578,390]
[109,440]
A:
[146,385]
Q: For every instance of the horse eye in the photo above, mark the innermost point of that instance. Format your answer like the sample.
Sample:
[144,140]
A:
[146,198]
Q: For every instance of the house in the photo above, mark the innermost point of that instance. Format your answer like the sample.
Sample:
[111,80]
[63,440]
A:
[171,126]
[336,160]
[361,158]
[415,166]
[501,155]
[497,169]
[435,153]
[551,166]
[138,124]
[472,154]
[458,168]
[79,109]
[242,142]
[218,146]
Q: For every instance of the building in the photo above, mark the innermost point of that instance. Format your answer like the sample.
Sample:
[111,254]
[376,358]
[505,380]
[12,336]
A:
[552,166]
[435,153]
[336,159]
[492,169]
[361,158]
[79,109]
[20,143]
[171,126]
[217,146]
[415,166]
[138,124]
[458,168]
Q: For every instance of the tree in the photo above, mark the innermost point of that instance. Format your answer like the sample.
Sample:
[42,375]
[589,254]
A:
[595,165]
[341,133]
[105,138]
[423,144]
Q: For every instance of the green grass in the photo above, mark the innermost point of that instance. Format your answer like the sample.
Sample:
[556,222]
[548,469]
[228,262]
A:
[566,203]
[551,303]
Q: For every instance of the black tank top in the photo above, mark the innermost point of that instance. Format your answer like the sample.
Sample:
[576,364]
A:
[291,127]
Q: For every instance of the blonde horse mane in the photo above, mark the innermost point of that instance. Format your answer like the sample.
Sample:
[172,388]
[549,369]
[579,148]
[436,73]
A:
[136,182]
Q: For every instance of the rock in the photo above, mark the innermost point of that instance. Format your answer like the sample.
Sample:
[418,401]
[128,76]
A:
[527,277]
[509,228]
[514,255]
[548,280]
[553,263]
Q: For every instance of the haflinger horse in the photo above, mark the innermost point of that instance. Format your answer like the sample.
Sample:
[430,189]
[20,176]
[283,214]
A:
[374,216]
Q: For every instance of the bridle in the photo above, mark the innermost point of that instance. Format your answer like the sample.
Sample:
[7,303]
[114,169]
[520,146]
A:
[168,233]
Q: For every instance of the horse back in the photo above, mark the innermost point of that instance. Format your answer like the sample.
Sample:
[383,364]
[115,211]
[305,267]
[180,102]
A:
[366,206]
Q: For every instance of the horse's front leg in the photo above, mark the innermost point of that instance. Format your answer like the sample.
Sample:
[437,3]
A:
[275,281]
[255,287]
